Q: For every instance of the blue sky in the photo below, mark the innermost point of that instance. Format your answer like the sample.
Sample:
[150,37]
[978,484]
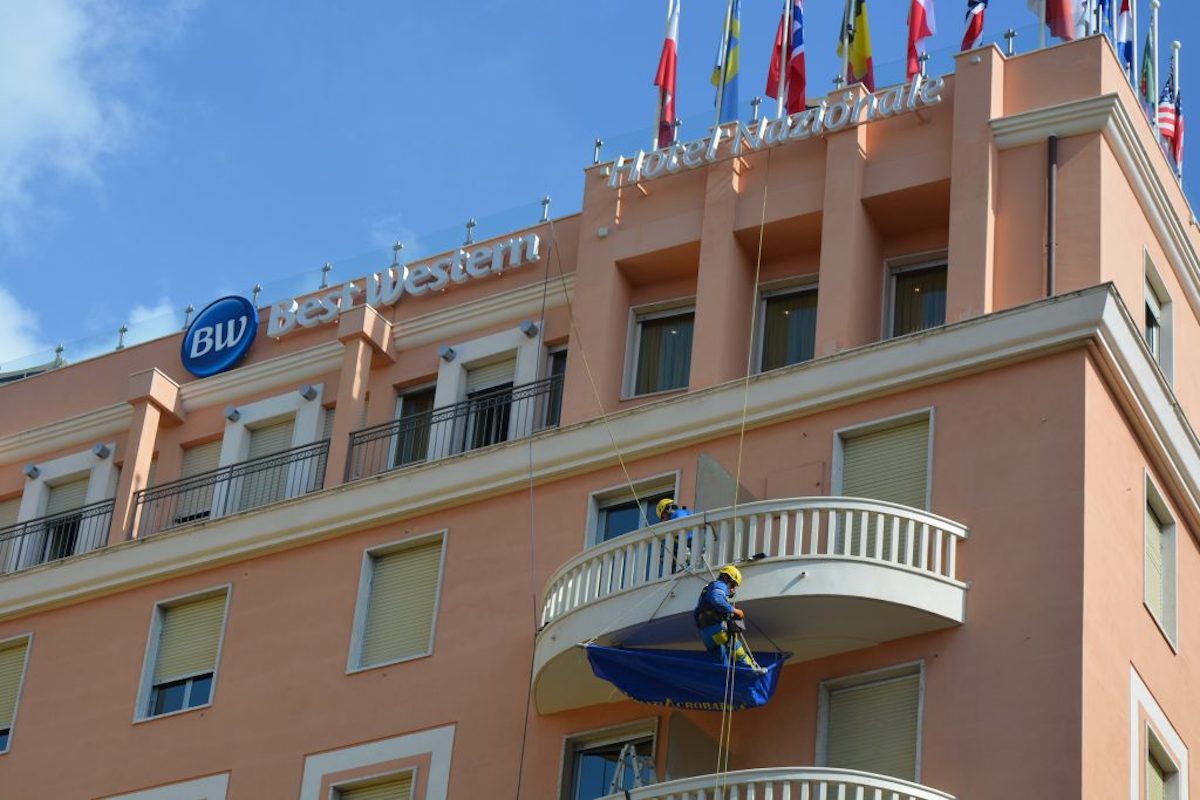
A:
[155,154]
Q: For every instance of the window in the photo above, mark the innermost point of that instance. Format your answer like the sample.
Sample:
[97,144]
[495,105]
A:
[872,723]
[918,299]
[606,763]
[62,530]
[553,398]
[489,405]
[412,438]
[662,350]
[789,328]
[268,482]
[196,503]
[397,605]
[886,462]
[12,671]
[1153,328]
[621,510]
[390,789]
[1157,319]
[1162,776]
[186,642]
[1160,562]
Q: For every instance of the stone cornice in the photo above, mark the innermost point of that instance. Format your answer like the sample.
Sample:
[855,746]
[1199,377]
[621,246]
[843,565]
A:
[90,427]
[239,383]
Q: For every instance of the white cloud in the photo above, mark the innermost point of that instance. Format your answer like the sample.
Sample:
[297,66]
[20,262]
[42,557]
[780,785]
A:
[19,333]
[141,313]
[67,70]
[150,322]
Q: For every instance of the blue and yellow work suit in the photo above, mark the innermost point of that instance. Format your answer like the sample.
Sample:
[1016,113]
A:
[712,614]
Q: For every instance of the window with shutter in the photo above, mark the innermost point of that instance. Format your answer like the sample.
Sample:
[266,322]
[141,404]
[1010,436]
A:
[9,509]
[1156,779]
[185,660]
[1154,563]
[195,501]
[873,726]
[270,484]
[327,430]
[401,602]
[12,671]
[412,437]
[891,464]
[1159,568]
[396,789]
[61,536]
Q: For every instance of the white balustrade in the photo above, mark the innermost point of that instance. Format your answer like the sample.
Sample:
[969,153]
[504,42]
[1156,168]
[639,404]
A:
[786,783]
[810,528]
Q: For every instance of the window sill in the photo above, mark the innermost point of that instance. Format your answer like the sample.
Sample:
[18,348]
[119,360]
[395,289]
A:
[381,665]
[659,393]
[139,720]
[1161,629]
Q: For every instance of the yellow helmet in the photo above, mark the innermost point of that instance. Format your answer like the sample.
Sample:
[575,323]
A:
[733,573]
[662,505]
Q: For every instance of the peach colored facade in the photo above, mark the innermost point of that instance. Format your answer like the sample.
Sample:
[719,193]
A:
[1052,424]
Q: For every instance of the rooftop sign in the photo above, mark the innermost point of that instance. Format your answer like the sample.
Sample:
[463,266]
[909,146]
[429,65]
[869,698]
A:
[219,337]
[825,117]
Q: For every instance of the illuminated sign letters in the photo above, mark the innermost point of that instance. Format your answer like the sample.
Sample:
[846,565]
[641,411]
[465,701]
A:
[219,337]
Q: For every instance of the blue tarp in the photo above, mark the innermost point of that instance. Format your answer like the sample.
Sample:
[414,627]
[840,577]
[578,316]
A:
[688,679]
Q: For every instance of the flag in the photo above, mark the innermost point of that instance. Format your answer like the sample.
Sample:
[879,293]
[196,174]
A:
[1060,16]
[1125,37]
[973,37]
[664,79]
[921,25]
[1177,141]
[797,75]
[1166,108]
[855,45]
[1148,82]
[725,71]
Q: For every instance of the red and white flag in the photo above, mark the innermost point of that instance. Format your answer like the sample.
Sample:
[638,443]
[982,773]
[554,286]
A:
[1177,141]
[797,75]
[1060,16]
[921,26]
[664,79]
[973,36]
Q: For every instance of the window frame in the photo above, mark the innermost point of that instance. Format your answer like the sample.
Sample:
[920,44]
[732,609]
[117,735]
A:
[4,645]
[623,493]
[633,345]
[771,291]
[895,267]
[335,790]
[397,415]
[1157,750]
[1157,299]
[573,743]
[1154,503]
[146,686]
[837,462]
[362,601]
[826,688]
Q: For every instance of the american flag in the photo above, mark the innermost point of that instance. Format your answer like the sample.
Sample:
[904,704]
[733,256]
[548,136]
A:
[1177,140]
[1166,107]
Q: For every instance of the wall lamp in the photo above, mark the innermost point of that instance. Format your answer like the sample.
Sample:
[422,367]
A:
[232,414]
[447,353]
[102,451]
[308,391]
[529,328]
[31,471]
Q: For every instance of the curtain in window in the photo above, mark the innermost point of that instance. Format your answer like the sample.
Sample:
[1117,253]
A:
[664,354]
[919,301]
[790,329]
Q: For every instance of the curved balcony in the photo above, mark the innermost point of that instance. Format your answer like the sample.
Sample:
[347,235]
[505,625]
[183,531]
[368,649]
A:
[822,575]
[785,783]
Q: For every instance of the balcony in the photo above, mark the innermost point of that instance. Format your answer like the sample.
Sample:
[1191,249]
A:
[822,575]
[492,417]
[232,489]
[785,783]
[50,538]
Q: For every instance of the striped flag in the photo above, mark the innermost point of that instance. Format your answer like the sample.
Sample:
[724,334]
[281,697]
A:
[1125,37]
[855,45]
[973,37]
[725,71]
[1166,108]
[797,74]
[664,79]
[921,25]
[1177,140]
[1060,16]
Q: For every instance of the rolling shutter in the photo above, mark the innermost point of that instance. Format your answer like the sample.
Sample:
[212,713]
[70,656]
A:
[403,596]
[67,497]
[195,503]
[8,511]
[330,416]
[271,439]
[1154,564]
[873,727]
[400,789]
[492,375]
[12,667]
[269,485]
[891,464]
[201,458]
[1156,779]
[188,639]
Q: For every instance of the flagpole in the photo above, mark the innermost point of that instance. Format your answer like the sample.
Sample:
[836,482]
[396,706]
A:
[724,51]
[1136,65]
[659,106]
[785,54]
[1176,46]
[846,43]
[1154,90]
[1042,27]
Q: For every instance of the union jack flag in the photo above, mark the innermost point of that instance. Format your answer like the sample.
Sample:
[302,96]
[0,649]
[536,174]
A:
[973,37]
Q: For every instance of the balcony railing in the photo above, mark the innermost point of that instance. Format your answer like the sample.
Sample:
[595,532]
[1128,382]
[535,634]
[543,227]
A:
[492,417]
[785,783]
[50,538]
[228,490]
[800,528]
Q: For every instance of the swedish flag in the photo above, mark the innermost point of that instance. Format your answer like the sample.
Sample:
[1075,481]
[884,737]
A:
[725,71]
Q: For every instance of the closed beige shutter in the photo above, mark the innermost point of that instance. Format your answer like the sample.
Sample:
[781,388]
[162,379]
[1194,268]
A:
[9,509]
[400,789]
[152,473]
[271,439]
[67,497]
[330,415]
[12,667]
[403,594]
[890,464]
[201,458]
[1156,779]
[486,377]
[188,639]
[1154,564]
[873,727]
[267,485]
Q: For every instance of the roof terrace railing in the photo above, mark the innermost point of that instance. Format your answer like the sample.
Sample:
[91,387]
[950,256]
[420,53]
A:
[55,536]
[491,417]
[229,490]
[785,783]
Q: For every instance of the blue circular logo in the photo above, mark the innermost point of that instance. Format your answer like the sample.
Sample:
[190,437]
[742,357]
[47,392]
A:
[219,337]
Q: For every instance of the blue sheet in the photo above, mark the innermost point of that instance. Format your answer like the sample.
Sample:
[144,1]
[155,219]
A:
[689,679]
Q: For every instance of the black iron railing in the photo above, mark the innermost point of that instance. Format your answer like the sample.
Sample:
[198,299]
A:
[491,417]
[37,541]
[228,490]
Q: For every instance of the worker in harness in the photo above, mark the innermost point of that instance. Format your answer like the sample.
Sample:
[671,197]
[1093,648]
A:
[719,622]
[667,509]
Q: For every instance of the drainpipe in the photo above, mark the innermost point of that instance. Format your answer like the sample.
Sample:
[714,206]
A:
[1051,213]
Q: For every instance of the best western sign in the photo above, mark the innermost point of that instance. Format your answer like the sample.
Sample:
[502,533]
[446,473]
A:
[386,287]
[740,138]
[219,337]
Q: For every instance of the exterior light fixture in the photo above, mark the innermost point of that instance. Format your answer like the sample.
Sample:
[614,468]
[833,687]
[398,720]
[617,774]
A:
[102,451]
[308,391]
[232,414]
[31,471]
[447,353]
[529,328]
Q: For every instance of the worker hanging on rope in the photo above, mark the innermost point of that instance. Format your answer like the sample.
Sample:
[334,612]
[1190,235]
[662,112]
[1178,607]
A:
[719,622]
[667,509]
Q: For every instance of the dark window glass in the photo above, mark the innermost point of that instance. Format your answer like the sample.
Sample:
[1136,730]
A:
[412,440]
[558,368]
[619,519]
[488,414]
[595,768]
[919,300]
[181,694]
[1153,330]
[201,691]
[664,354]
[4,732]
[789,329]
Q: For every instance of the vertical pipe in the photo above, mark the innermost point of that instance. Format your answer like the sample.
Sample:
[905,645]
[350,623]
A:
[785,53]
[1042,27]
[723,60]
[1051,212]
[1154,4]
[846,42]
